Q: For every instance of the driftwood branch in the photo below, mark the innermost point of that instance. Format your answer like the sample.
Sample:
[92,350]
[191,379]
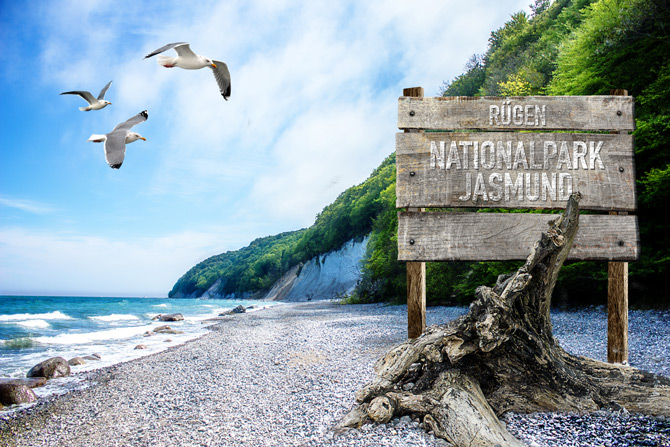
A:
[502,356]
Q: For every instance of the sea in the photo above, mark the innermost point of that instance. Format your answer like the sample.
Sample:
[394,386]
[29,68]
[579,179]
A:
[103,329]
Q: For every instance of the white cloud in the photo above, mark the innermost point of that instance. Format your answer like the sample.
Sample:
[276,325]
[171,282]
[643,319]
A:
[63,263]
[29,206]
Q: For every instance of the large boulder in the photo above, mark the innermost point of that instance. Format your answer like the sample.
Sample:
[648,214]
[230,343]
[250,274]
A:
[16,393]
[168,317]
[50,369]
[239,309]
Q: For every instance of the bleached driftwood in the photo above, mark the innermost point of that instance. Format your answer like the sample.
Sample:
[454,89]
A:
[502,356]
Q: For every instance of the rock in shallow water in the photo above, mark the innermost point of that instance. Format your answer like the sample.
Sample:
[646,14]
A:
[50,369]
[168,317]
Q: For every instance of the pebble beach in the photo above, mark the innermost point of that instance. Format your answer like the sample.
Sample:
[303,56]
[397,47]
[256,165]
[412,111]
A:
[284,376]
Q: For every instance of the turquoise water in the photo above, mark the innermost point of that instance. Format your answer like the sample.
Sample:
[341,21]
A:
[34,328]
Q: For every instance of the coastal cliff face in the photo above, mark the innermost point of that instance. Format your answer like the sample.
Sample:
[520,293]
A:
[327,276]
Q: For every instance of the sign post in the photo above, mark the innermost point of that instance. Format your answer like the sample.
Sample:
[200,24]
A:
[416,271]
[617,302]
[515,153]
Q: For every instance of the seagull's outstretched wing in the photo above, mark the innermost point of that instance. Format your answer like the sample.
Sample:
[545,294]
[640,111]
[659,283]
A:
[86,95]
[126,125]
[222,76]
[115,149]
[184,50]
[103,91]
[167,47]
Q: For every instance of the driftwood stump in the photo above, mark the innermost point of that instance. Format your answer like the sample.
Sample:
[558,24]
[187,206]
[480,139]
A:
[501,356]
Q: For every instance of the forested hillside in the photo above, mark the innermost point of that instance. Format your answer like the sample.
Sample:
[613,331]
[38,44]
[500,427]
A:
[580,47]
[565,47]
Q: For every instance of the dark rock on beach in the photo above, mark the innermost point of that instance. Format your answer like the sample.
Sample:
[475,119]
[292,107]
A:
[50,369]
[13,393]
[238,310]
[168,317]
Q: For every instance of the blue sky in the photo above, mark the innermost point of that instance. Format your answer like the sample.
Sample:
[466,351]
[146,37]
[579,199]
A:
[313,111]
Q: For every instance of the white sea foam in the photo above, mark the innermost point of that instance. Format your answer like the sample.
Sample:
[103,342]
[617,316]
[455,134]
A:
[36,324]
[161,305]
[114,317]
[55,315]
[93,337]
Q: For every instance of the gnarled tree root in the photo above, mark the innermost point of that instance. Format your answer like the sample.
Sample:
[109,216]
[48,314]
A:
[501,356]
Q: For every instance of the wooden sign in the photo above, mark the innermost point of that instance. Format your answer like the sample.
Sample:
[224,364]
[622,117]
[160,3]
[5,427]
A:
[590,113]
[448,236]
[538,167]
[515,170]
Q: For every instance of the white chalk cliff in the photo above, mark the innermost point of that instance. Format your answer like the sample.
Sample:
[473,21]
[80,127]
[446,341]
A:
[327,276]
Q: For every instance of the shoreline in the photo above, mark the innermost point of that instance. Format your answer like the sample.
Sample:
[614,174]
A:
[79,375]
[284,377]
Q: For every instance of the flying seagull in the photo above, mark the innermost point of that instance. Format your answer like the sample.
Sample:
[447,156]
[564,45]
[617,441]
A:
[116,140]
[189,60]
[93,103]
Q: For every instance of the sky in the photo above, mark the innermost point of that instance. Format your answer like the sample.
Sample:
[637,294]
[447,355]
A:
[313,111]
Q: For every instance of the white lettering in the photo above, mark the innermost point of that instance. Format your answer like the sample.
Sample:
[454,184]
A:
[532,157]
[504,154]
[437,156]
[468,188]
[520,157]
[490,162]
[549,152]
[528,115]
[548,187]
[480,188]
[536,192]
[513,188]
[496,195]
[564,186]
[452,158]
[494,114]
[563,157]
[579,151]
[517,115]
[502,186]
[594,155]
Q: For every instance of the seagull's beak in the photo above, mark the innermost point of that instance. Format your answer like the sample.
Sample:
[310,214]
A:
[142,138]
[213,65]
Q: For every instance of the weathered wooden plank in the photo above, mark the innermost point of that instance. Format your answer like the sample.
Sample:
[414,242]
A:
[416,299]
[617,302]
[617,312]
[440,236]
[515,170]
[416,271]
[517,113]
